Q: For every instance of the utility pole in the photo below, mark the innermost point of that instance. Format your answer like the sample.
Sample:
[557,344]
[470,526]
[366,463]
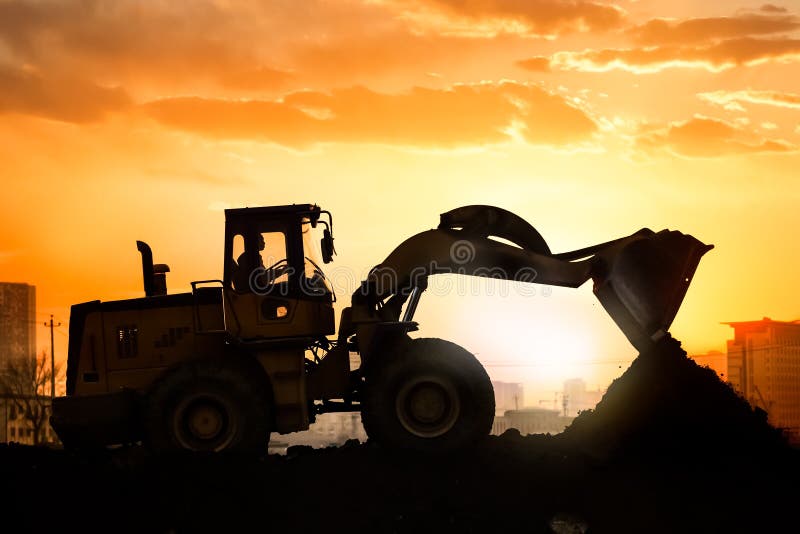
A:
[52,358]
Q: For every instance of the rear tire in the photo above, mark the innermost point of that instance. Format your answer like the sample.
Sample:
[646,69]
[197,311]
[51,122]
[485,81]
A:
[209,406]
[433,397]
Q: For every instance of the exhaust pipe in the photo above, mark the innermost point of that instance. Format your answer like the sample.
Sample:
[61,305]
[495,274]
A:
[154,275]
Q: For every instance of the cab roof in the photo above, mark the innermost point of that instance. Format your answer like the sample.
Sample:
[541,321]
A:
[272,211]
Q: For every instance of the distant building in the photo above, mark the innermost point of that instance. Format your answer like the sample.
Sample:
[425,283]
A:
[17,340]
[764,366]
[577,398]
[507,396]
[531,421]
[14,427]
[329,429]
[715,360]
[17,321]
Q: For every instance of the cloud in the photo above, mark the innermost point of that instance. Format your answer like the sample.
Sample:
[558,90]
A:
[167,43]
[735,107]
[713,44]
[717,57]
[61,98]
[663,31]
[767,98]
[704,137]
[771,8]
[535,64]
[255,79]
[465,115]
[362,58]
[541,17]
[233,47]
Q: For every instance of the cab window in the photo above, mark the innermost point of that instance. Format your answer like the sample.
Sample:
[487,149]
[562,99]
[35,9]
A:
[259,263]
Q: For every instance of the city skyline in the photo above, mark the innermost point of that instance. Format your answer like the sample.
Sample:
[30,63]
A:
[534,393]
[17,321]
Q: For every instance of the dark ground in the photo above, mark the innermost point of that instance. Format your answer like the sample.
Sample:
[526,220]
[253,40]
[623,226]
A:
[669,449]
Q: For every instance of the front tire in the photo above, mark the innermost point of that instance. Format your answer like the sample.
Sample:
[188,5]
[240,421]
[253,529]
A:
[432,397]
[209,406]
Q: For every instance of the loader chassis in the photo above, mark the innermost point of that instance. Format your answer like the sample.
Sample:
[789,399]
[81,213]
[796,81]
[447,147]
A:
[120,351]
[221,367]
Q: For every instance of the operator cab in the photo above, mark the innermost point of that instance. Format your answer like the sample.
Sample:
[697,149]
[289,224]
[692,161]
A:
[272,267]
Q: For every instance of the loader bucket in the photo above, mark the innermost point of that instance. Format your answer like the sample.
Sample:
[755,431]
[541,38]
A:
[642,280]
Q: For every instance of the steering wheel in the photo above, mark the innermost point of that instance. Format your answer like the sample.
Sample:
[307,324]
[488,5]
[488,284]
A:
[264,278]
[276,270]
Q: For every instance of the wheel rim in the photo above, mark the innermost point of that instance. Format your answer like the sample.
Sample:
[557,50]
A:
[428,406]
[204,422]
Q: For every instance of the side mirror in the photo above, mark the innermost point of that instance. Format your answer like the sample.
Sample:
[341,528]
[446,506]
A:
[326,246]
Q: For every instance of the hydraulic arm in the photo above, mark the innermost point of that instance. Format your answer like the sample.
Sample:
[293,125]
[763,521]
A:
[640,279]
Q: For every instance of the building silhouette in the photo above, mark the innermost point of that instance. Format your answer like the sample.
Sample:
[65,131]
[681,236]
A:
[329,430]
[507,396]
[17,321]
[764,366]
[16,427]
[531,421]
[17,340]
[577,398]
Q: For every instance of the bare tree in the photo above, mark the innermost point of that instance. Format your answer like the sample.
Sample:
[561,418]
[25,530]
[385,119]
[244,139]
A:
[25,382]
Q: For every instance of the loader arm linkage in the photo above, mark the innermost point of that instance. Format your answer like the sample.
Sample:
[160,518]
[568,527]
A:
[640,279]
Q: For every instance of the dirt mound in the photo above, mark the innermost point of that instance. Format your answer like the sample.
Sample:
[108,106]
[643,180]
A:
[669,449]
[666,404]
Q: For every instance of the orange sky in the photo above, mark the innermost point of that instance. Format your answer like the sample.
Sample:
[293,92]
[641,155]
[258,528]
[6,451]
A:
[142,120]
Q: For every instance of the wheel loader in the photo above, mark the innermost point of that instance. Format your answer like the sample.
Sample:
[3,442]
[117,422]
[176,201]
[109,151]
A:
[221,367]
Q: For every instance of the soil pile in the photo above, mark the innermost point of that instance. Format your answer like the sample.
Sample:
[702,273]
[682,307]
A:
[669,449]
[666,404]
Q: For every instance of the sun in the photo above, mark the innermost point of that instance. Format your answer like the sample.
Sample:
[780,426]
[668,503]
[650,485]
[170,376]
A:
[524,333]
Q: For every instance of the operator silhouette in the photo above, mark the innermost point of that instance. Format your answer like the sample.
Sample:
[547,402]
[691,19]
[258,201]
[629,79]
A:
[246,264]
[251,275]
